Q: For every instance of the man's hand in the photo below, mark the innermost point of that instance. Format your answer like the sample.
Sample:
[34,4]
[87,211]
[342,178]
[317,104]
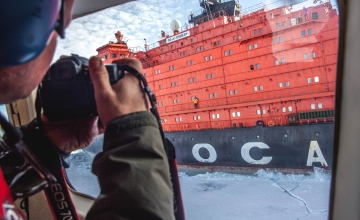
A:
[71,135]
[112,101]
[120,99]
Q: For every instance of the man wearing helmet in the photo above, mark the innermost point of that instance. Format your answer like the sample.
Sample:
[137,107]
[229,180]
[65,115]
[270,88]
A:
[130,129]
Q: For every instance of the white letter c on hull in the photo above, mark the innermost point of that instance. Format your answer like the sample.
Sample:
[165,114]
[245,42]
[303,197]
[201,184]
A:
[245,153]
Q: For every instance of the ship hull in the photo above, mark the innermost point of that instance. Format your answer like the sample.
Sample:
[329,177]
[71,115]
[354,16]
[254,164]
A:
[278,147]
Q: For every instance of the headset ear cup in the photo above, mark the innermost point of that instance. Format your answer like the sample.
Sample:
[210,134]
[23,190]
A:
[26,26]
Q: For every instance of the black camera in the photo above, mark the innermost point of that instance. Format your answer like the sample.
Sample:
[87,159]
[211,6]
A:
[67,92]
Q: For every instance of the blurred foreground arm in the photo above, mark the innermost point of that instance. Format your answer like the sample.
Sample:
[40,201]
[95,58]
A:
[133,169]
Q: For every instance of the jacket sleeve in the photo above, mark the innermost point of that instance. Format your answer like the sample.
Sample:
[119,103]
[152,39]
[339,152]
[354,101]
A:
[133,171]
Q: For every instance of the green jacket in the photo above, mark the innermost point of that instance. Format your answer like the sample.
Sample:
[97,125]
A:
[133,171]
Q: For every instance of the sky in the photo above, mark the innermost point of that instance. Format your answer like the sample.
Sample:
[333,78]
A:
[136,20]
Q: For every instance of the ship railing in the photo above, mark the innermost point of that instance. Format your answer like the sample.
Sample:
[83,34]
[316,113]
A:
[136,49]
[252,9]
[282,3]
[153,45]
[196,13]
[210,17]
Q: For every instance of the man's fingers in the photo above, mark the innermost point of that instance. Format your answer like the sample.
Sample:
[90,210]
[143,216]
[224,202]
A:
[130,62]
[99,75]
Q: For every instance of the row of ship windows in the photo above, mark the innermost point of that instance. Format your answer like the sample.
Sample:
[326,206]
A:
[215,43]
[298,20]
[229,52]
[191,80]
[256,88]
[256,31]
[114,55]
[250,46]
[238,114]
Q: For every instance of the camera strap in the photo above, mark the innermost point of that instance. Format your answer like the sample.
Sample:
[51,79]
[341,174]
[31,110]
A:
[169,147]
[43,168]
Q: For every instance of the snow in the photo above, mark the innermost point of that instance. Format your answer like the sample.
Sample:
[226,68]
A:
[265,195]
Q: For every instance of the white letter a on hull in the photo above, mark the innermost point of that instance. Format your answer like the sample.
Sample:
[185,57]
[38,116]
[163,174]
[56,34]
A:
[314,147]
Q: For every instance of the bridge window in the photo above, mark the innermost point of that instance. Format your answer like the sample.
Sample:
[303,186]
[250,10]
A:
[283,109]
[316,79]
[280,84]
[235,91]
[312,106]
[264,111]
[206,58]
[299,20]
[310,31]
[219,42]
[313,55]
[225,53]
[255,45]
[212,75]
[320,106]
[249,47]
[160,86]
[306,56]
[107,56]
[278,25]
[230,92]
[233,114]
[258,112]
[217,115]
[309,80]
[276,62]
[287,83]
[274,40]
[260,30]
[255,88]
[114,55]
[314,16]
[303,33]
[281,39]
[290,109]
[282,60]
[257,66]
[255,32]
[261,88]
[172,47]
[284,23]
[192,80]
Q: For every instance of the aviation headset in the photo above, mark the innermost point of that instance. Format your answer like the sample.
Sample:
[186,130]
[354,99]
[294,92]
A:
[26,27]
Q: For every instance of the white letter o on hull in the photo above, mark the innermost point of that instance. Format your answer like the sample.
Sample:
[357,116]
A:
[209,148]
